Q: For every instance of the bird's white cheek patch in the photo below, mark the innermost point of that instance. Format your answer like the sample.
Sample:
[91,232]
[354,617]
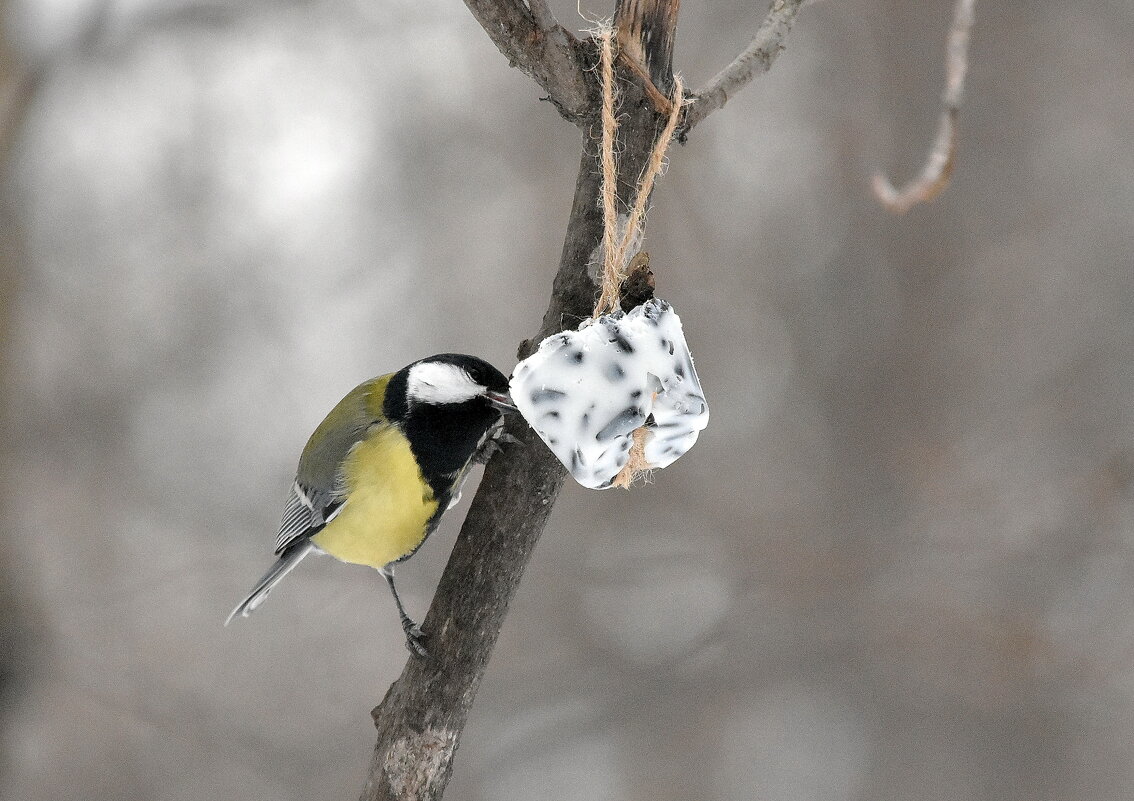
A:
[584,392]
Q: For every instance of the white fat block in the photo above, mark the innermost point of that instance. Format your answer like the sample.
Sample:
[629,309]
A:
[584,392]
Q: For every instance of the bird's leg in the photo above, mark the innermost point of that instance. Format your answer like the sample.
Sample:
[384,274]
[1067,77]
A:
[414,634]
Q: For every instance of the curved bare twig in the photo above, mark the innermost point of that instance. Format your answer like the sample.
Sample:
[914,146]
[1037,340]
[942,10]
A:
[938,168]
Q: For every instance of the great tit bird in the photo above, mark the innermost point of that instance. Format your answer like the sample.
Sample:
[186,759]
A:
[381,469]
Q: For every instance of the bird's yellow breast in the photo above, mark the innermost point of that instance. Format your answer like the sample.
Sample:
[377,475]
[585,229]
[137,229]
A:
[388,503]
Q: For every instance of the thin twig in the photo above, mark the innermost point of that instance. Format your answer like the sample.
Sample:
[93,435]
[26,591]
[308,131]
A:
[938,168]
[756,59]
[547,54]
[659,101]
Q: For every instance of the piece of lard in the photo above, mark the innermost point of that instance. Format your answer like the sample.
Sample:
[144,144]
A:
[584,392]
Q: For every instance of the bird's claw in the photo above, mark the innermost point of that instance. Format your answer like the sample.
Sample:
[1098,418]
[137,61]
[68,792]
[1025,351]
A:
[414,640]
[495,445]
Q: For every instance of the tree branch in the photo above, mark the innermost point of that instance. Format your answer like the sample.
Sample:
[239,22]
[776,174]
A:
[420,720]
[543,15]
[645,31]
[549,55]
[938,168]
[756,59]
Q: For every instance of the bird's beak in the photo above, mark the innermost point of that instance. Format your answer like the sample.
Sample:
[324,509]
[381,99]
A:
[501,400]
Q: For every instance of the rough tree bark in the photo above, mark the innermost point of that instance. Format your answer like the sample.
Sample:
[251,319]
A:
[420,720]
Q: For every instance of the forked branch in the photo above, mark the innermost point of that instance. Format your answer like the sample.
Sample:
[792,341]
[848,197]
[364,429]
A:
[756,59]
[421,718]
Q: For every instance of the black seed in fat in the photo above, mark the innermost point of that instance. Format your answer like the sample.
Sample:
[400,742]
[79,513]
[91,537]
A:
[622,342]
[627,420]
[544,395]
[614,372]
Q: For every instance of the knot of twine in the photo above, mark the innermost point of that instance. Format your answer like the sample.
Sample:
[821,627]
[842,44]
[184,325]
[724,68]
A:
[616,249]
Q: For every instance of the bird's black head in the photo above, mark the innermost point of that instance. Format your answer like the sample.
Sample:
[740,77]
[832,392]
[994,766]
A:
[445,380]
[445,404]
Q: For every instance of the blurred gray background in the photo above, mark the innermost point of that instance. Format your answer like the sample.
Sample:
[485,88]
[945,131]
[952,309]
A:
[897,566]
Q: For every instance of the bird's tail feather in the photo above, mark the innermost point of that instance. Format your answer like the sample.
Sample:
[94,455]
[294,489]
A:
[292,557]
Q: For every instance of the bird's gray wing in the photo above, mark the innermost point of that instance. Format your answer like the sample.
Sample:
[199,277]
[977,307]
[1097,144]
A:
[317,493]
[307,510]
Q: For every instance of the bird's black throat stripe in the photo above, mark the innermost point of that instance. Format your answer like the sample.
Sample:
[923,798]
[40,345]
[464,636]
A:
[442,437]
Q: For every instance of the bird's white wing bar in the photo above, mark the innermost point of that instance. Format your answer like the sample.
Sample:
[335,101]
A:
[302,495]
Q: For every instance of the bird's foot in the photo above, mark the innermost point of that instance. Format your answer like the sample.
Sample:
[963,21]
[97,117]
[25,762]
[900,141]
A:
[415,639]
[494,445]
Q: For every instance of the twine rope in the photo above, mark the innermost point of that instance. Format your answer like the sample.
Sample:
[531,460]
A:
[616,250]
[608,297]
